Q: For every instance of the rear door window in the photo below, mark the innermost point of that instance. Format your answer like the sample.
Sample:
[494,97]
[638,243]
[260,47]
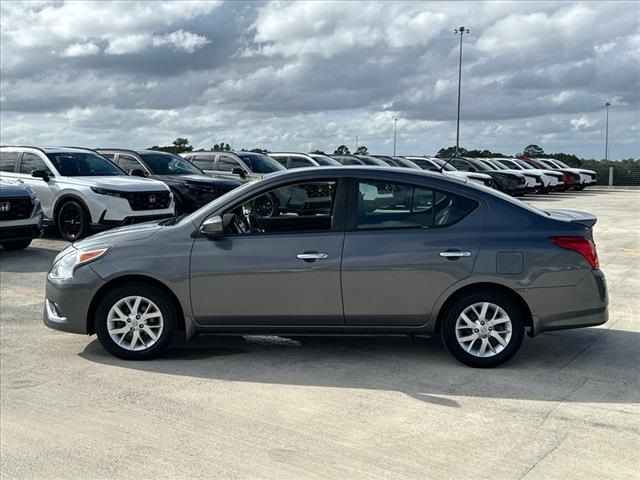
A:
[31,162]
[129,163]
[203,162]
[9,161]
[300,162]
[227,163]
[390,205]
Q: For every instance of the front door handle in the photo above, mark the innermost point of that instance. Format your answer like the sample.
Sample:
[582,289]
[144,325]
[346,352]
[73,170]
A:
[312,256]
[455,253]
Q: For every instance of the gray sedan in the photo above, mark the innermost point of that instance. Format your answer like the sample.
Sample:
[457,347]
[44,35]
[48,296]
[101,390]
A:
[364,251]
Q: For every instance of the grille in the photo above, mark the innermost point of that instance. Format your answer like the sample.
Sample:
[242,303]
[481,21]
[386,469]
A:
[15,208]
[148,200]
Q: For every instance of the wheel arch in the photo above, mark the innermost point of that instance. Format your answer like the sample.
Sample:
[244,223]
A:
[65,197]
[132,279]
[496,287]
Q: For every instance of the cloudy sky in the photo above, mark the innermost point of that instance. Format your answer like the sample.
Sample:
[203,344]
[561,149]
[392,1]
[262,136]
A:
[306,75]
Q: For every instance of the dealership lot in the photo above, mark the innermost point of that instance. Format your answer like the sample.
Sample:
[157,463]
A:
[376,407]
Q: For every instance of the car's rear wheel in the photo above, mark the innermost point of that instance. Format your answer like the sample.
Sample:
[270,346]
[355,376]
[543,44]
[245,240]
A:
[483,329]
[72,221]
[16,244]
[136,321]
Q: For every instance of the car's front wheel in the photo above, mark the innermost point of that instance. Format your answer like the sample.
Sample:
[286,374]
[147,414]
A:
[483,329]
[136,321]
[72,221]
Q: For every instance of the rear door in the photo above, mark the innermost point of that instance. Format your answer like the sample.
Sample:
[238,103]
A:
[405,244]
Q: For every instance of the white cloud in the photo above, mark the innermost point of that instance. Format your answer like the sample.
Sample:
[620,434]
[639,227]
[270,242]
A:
[128,44]
[81,50]
[181,40]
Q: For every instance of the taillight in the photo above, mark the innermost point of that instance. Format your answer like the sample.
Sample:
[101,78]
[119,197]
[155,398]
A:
[582,245]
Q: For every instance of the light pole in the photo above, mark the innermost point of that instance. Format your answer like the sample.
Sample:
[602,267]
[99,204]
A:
[395,132]
[356,143]
[461,31]
[606,133]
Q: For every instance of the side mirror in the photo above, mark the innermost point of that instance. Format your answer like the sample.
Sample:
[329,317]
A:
[137,172]
[212,226]
[239,171]
[41,174]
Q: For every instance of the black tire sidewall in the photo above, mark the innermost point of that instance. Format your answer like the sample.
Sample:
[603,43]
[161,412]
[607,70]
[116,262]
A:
[507,304]
[85,220]
[157,296]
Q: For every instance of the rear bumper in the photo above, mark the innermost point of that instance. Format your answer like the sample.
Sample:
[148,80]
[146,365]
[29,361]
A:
[577,306]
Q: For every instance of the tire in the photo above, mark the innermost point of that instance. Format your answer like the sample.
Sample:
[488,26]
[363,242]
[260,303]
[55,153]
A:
[469,352]
[72,221]
[111,326]
[16,244]
[265,206]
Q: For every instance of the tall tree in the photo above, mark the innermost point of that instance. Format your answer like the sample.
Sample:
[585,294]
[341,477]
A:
[318,152]
[533,151]
[227,147]
[342,150]
[448,152]
[362,150]
[182,145]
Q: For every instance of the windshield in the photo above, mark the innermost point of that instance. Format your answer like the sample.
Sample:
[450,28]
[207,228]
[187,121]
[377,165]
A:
[447,166]
[524,165]
[549,163]
[373,161]
[494,164]
[561,164]
[481,165]
[83,164]
[168,164]
[324,160]
[259,163]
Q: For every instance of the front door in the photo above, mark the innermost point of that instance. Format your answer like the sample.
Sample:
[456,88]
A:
[45,191]
[278,262]
[404,246]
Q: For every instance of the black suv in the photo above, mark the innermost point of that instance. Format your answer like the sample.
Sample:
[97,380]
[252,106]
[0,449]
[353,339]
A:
[190,186]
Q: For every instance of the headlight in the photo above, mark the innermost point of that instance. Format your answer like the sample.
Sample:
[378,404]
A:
[64,266]
[106,191]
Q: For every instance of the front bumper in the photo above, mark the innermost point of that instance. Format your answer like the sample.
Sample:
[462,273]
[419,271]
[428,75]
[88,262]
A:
[130,220]
[67,303]
[559,308]
[22,229]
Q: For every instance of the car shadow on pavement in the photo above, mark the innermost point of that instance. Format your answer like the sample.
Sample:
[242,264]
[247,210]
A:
[591,365]
[30,260]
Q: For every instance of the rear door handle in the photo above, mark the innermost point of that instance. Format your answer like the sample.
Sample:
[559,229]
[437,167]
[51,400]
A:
[451,253]
[312,256]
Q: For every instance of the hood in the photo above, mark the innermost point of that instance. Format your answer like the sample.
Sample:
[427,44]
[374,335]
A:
[11,189]
[118,182]
[201,181]
[574,216]
[129,233]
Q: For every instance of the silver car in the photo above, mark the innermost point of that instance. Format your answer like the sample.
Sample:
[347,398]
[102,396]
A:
[380,251]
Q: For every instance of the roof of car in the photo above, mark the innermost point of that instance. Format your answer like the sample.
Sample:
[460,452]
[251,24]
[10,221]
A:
[130,150]
[51,149]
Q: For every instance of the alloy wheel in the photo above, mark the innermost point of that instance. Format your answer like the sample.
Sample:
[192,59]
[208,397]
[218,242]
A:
[135,323]
[71,221]
[483,329]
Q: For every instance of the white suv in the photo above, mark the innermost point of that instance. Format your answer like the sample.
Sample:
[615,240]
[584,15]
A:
[80,189]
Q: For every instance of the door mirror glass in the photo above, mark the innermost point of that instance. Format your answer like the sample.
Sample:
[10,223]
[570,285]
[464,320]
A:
[212,226]
[137,172]
[40,174]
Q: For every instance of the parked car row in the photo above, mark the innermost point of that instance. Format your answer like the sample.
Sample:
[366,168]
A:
[81,190]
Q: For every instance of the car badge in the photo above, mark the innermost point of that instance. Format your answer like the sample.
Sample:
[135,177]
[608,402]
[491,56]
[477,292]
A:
[5,206]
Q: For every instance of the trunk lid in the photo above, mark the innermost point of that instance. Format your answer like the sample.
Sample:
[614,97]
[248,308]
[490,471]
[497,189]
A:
[575,216]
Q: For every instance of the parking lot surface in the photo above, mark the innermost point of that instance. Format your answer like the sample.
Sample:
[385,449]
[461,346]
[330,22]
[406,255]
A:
[567,406]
